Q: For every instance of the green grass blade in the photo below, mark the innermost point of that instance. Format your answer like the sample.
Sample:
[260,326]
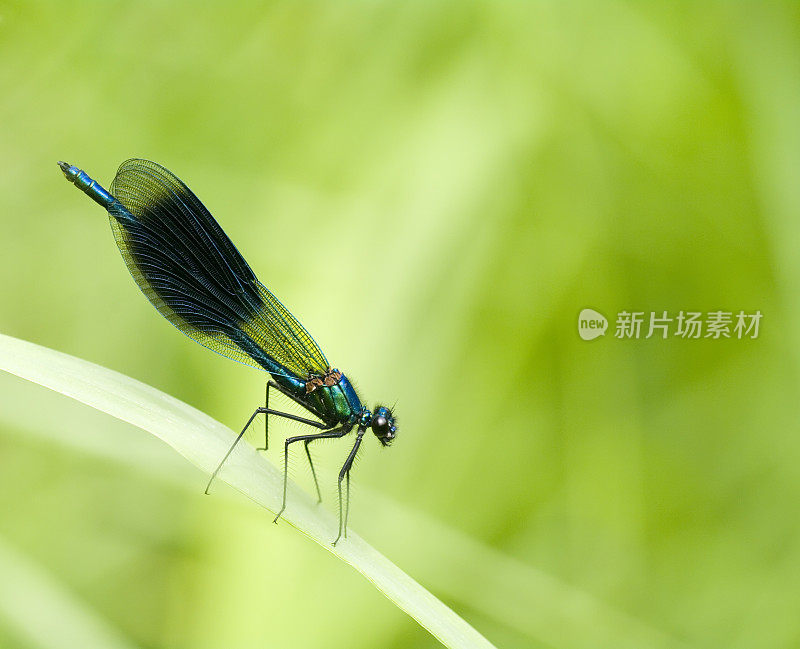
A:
[523,598]
[203,441]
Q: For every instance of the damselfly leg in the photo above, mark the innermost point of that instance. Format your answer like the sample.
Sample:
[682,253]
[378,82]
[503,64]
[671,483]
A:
[294,398]
[331,434]
[345,472]
[267,412]
[266,421]
[313,470]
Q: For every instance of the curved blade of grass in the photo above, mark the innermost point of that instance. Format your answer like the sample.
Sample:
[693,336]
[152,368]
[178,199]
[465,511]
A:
[512,593]
[203,441]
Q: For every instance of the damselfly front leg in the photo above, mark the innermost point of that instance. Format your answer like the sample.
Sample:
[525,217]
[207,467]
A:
[345,473]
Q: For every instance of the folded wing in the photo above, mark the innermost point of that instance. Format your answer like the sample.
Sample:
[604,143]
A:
[193,274]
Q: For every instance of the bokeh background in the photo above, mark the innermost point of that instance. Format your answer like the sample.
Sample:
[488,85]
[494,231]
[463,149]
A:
[436,189]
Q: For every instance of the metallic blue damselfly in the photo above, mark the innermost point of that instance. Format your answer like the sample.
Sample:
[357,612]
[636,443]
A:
[193,274]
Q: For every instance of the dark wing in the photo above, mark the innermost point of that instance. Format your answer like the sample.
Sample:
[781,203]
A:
[191,272]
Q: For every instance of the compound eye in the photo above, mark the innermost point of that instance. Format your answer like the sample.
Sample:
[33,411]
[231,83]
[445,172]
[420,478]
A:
[379,424]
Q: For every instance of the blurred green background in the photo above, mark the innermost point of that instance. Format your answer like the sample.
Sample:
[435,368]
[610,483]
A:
[436,189]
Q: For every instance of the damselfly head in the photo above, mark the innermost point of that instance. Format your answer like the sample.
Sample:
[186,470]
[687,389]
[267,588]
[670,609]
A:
[383,425]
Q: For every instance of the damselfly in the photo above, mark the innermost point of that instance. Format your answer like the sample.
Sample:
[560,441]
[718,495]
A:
[193,274]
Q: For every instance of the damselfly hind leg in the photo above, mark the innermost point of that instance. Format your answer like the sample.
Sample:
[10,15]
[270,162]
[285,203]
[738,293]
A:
[266,421]
[267,412]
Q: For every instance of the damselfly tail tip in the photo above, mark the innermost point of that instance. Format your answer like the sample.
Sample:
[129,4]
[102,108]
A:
[69,170]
